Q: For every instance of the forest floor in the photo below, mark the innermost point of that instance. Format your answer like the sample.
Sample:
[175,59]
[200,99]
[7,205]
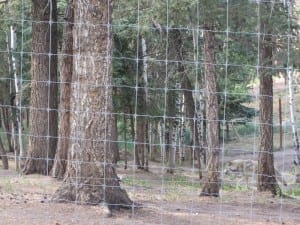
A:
[166,199]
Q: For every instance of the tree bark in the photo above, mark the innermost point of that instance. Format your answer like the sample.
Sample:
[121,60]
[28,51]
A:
[43,101]
[172,151]
[125,140]
[7,128]
[3,155]
[114,139]
[189,102]
[91,177]
[139,143]
[146,105]
[266,173]
[61,156]
[211,179]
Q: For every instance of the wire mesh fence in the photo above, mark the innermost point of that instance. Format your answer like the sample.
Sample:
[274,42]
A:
[149,112]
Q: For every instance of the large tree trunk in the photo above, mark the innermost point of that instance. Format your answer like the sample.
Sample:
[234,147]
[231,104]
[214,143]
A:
[266,173]
[211,179]
[43,101]
[61,156]
[91,177]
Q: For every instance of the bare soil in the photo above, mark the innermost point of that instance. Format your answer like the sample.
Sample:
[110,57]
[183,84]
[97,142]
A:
[165,199]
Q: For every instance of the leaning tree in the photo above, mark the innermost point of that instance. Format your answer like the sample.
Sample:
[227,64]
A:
[91,177]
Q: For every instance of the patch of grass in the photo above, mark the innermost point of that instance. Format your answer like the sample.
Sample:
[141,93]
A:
[294,192]
[180,180]
[177,186]
[7,186]
[228,187]
[247,129]
[134,181]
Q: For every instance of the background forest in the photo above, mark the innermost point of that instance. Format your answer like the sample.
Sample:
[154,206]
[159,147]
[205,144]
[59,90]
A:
[112,98]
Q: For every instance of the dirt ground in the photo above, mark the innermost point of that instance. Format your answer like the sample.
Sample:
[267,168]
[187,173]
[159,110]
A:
[165,199]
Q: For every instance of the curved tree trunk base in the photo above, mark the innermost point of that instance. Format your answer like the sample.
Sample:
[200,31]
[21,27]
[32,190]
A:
[210,189]
[4,162]
[59,169]
[39,166]
[90,193]
[269,184]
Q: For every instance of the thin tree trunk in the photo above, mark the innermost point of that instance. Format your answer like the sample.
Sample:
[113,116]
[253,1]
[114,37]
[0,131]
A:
[146,147]
[139,143]
[14,124]
[280,122]
[172,125]
[150,138]
[172,148]
[266,180]
[182,132]
[125,140]
[162,143]
[7,128]
[43,101]
[133,138]
[3,156]
[211,180]
[17,102]
[190,108]
[146,103]
[114,139]
[61,156]
[292,116]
